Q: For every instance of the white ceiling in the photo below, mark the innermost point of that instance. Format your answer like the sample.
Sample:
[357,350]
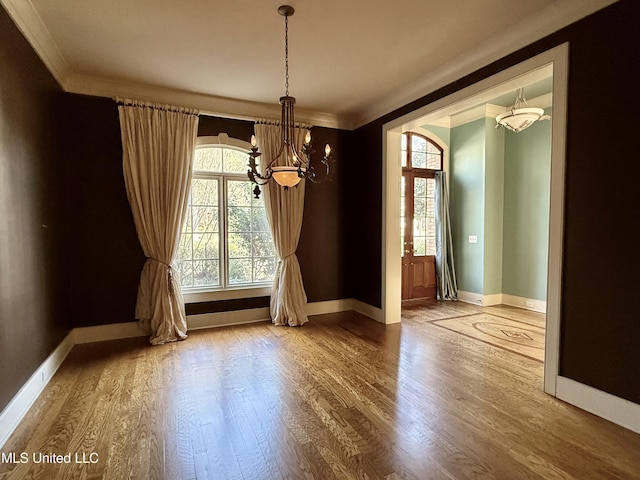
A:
[350,61]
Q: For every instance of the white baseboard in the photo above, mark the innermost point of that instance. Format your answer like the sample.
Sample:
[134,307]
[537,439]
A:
[502,299]
[330,306]
[18,407]
[615,409]
[367,310]
[116,331]
[489,300]
[111,331]
[526,303]
[345,305]
[479,299]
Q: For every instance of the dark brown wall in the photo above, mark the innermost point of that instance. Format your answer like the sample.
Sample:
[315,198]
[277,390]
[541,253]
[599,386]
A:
[32,275]
[600,340]
[363,208]
[600,326]
[320,250]
[213,126]
[104,256]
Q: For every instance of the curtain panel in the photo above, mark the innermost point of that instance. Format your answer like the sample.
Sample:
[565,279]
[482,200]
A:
[445,268]
[284,209]
[158,145]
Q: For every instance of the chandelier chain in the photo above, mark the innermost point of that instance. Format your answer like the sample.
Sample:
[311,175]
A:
[286,54]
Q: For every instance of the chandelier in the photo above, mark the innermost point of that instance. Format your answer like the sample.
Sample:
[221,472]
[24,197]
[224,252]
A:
[519,117]
[288,166]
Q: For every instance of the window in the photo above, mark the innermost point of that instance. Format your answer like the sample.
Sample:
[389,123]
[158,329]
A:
[421,158]
[225,242]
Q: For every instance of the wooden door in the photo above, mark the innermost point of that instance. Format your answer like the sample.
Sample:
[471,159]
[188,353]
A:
[418,232]
[420,158]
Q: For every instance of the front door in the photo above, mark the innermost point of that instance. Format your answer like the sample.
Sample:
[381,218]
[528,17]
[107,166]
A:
[421,159]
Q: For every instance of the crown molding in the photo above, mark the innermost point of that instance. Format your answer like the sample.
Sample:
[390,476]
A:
[545,22]
[444,122]
[207,104]
[536,27]
[481,111]
[28,21]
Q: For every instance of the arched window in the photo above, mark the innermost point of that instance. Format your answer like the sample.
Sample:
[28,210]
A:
[226,242]
[423,152]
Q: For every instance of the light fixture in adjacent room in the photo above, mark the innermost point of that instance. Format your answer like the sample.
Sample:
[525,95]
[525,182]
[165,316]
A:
[520,117]
[288,166]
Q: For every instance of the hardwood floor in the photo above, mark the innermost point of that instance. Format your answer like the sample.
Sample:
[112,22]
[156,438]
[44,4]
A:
[342,397]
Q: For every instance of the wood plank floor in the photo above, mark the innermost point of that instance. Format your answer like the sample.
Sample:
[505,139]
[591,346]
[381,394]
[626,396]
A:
[341,398]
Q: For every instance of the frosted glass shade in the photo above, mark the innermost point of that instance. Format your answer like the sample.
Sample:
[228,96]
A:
[287,176]
[518,119]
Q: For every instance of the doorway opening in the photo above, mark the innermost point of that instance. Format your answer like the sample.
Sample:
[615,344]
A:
[553,62]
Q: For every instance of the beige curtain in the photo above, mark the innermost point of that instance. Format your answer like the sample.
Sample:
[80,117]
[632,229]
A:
[284,210]
[158,144]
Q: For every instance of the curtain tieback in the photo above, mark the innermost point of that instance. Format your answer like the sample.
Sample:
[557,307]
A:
[170,272]
[160,261]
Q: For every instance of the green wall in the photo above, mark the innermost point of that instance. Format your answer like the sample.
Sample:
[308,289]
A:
[527,175]
[444,133]
[467,203]
[493,207]
[500,192]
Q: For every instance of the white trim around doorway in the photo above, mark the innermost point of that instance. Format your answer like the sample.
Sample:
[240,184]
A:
[552,62]
[555,61]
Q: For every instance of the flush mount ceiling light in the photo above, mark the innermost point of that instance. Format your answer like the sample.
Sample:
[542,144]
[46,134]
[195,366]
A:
[287,167]
[518,117]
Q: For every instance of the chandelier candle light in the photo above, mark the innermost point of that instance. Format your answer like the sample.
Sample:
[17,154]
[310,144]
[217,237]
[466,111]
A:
[518,117]
[288,167]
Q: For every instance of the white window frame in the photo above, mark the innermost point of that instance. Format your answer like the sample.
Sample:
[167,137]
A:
[205,294]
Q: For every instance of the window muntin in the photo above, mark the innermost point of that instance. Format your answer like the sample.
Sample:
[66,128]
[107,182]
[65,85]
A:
[199,251]
[251,255]
[225,241]
[424,219]
[424,153]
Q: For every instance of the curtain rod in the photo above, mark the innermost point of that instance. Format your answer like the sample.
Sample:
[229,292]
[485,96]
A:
[130,102]
[273,121]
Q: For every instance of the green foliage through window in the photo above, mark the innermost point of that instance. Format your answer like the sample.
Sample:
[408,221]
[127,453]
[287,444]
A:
[225,240]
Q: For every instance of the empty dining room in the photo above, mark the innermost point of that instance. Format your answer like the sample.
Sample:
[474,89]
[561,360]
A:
[179,299]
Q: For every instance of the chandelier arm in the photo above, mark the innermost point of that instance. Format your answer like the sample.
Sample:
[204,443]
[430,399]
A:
[312,177]
[253,175]
[272,163]
[311,173]
[266,179]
